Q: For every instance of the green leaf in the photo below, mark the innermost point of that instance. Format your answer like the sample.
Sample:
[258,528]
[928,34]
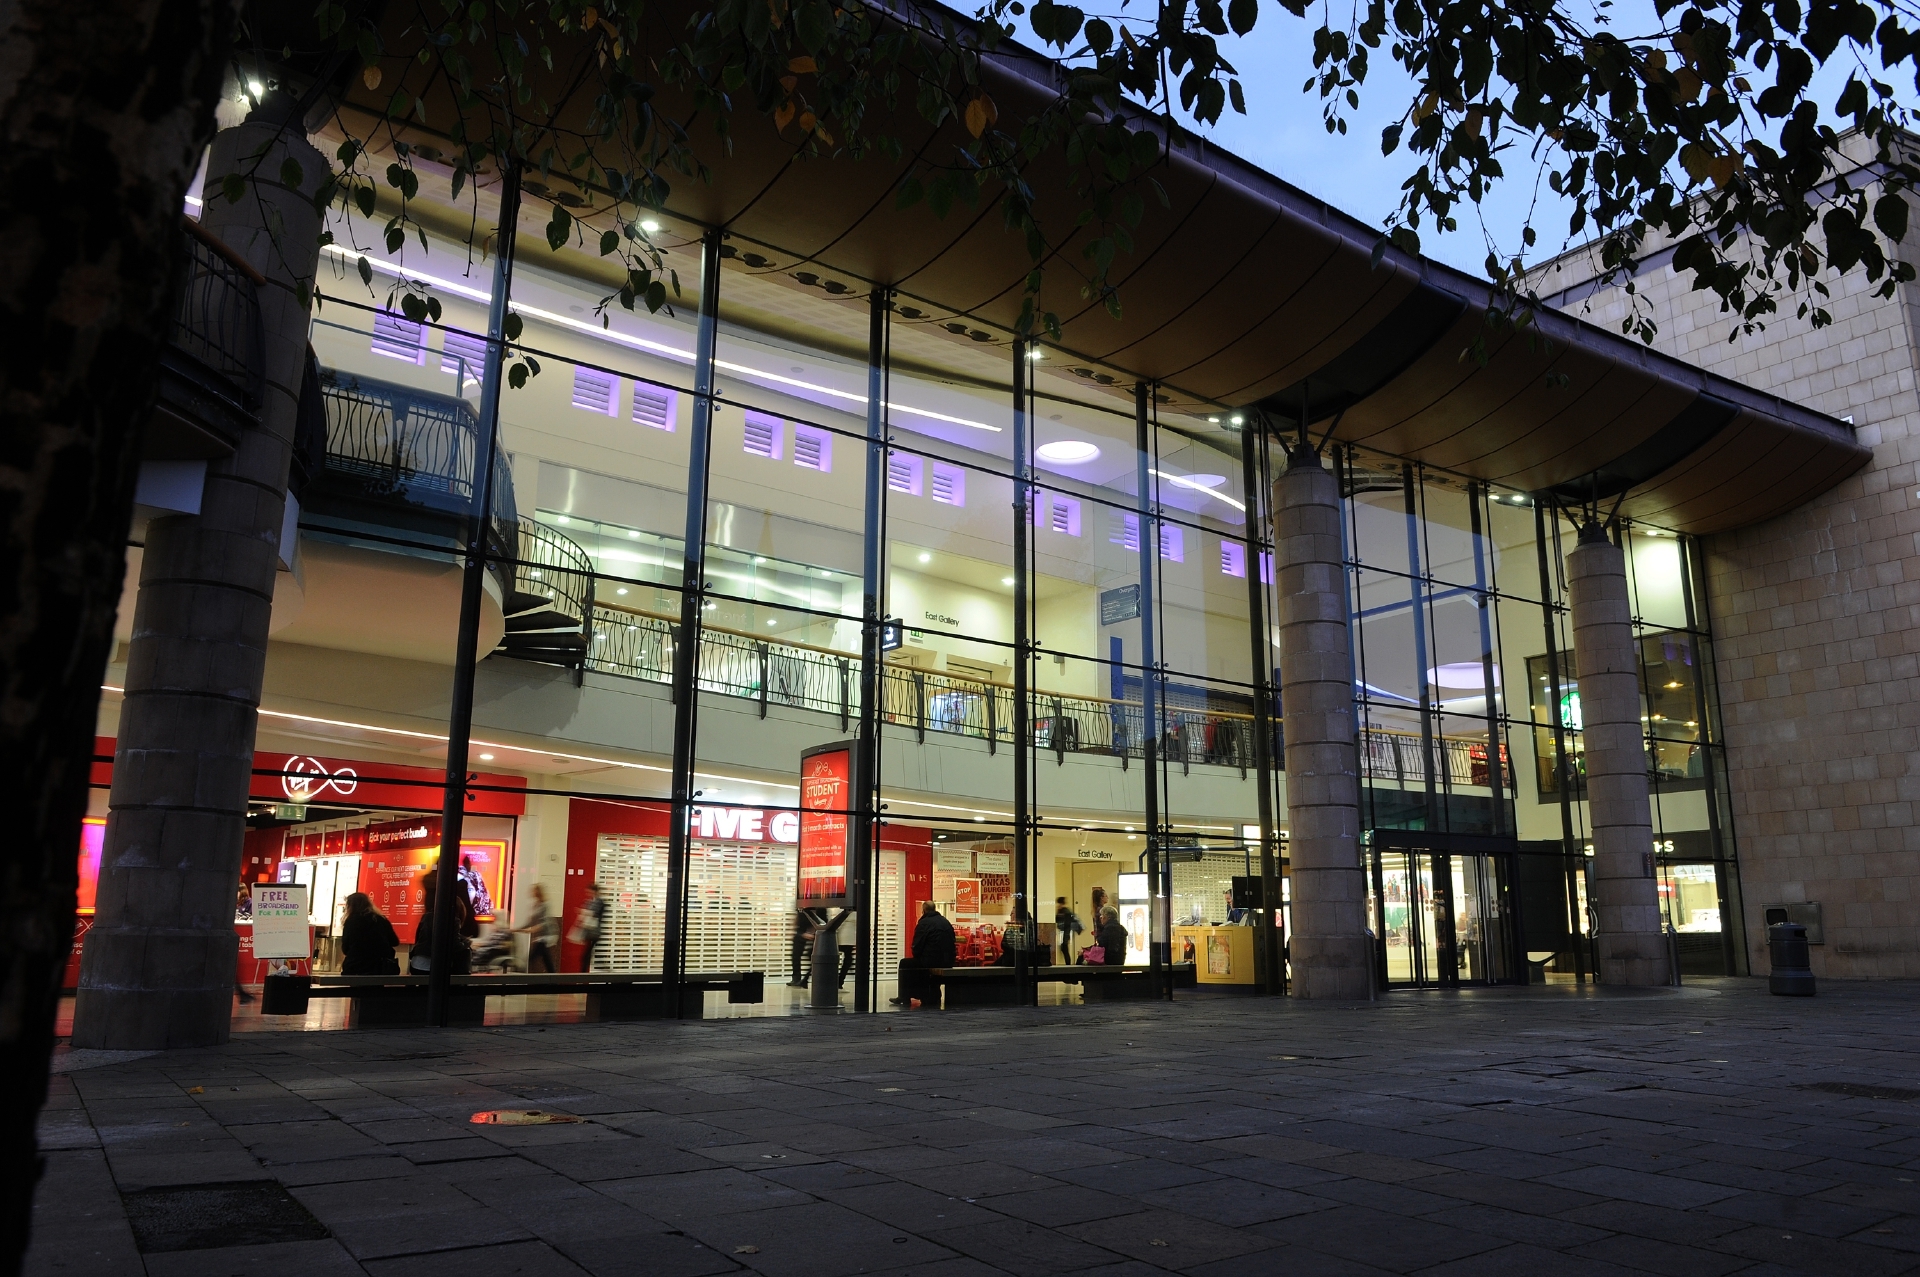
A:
[609,241]
[559,228]
[366,272]
[292,176]
[911,192]
[363,197]
[511,328]
[234,187]
[1241,15]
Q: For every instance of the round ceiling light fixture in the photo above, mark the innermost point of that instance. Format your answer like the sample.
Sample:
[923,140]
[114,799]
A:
[1067,452]
[1203,480]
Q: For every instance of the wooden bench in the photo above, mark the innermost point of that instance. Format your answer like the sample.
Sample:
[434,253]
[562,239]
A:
[997,986]
[611,995]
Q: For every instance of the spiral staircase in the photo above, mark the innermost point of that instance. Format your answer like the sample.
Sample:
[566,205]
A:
[550,605]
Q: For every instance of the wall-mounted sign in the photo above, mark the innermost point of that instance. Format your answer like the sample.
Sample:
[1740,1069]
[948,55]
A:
[1121,604]
[300,779]
[826,825]
[940,618]
[893,633]
[957,862]
[993,862]
[744,824]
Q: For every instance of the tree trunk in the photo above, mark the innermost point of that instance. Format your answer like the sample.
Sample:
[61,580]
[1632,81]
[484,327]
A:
[104,110]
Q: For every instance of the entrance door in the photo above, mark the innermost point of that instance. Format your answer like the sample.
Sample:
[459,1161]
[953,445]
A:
[1439,919]
[1088,874]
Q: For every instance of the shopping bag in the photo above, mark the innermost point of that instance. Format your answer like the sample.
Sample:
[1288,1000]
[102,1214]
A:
[1094,955]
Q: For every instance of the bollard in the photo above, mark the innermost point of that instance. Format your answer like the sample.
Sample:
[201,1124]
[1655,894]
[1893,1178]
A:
[1792,974]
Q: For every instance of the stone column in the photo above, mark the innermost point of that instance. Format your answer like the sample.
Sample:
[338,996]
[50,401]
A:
[158,968]
[1332,957]
[1632,949]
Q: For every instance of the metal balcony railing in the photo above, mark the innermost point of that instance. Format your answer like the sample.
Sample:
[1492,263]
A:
[637,644]
[217,322]
[412,446]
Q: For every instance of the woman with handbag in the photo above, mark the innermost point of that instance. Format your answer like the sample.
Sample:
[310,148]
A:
[1112,938]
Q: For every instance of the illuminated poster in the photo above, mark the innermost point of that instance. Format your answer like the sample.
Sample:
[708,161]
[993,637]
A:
[826,794]
[398,855]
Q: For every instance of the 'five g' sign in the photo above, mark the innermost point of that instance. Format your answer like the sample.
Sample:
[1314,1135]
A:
[308,778]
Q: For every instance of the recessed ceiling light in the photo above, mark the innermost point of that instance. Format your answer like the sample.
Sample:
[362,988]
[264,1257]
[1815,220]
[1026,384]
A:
[1006,580]
[621,590]
[1213,421]
[633,536]
[758,558]
[486,758]
[1067,452]
[926,558]
[1034,352]
[561,518]
[649,226]
[771,621]
[1237,419]
[1204,480]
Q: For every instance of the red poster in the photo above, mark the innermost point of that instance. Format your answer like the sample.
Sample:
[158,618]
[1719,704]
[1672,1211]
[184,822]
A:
[826,791]
[966,897]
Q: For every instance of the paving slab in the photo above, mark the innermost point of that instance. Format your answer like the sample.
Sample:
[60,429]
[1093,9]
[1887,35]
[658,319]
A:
[1566,1131]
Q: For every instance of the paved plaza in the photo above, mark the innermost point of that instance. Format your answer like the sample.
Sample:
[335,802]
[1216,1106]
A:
[1694,1132]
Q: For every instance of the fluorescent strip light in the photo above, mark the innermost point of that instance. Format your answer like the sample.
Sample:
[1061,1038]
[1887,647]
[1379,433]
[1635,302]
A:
[655,347]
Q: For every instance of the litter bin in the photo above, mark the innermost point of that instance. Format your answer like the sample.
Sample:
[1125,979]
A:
[1792,974]
[286,994]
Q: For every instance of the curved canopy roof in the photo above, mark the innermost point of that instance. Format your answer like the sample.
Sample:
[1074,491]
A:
[1245,292]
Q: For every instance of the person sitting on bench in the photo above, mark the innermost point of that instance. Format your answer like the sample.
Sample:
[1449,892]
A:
[932,947]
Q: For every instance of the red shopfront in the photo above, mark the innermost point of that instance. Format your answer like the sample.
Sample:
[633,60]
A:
[741,889]
[389,866]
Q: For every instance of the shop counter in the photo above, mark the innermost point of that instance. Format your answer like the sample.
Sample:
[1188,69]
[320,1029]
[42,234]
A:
[1220,955]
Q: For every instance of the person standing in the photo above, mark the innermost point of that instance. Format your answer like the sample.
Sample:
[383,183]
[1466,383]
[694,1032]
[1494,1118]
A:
[933,947]
[542,932]
[367,939]
[589,924]
[801,953]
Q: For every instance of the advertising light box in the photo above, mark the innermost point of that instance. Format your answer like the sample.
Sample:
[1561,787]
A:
[826,824]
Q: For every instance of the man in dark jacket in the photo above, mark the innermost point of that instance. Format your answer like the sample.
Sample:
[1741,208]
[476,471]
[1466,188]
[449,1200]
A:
[932,947]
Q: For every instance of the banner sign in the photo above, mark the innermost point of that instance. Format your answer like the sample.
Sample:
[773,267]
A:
[957,862]
[826,829]
[280,921]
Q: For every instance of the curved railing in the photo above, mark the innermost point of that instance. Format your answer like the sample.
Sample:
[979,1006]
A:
[552,565]
[217,322]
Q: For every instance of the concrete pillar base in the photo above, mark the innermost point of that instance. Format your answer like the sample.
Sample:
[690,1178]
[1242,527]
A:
[1333,968]
[122,1007]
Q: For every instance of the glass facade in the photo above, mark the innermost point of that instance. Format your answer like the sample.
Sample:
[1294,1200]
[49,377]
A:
[1071,597]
